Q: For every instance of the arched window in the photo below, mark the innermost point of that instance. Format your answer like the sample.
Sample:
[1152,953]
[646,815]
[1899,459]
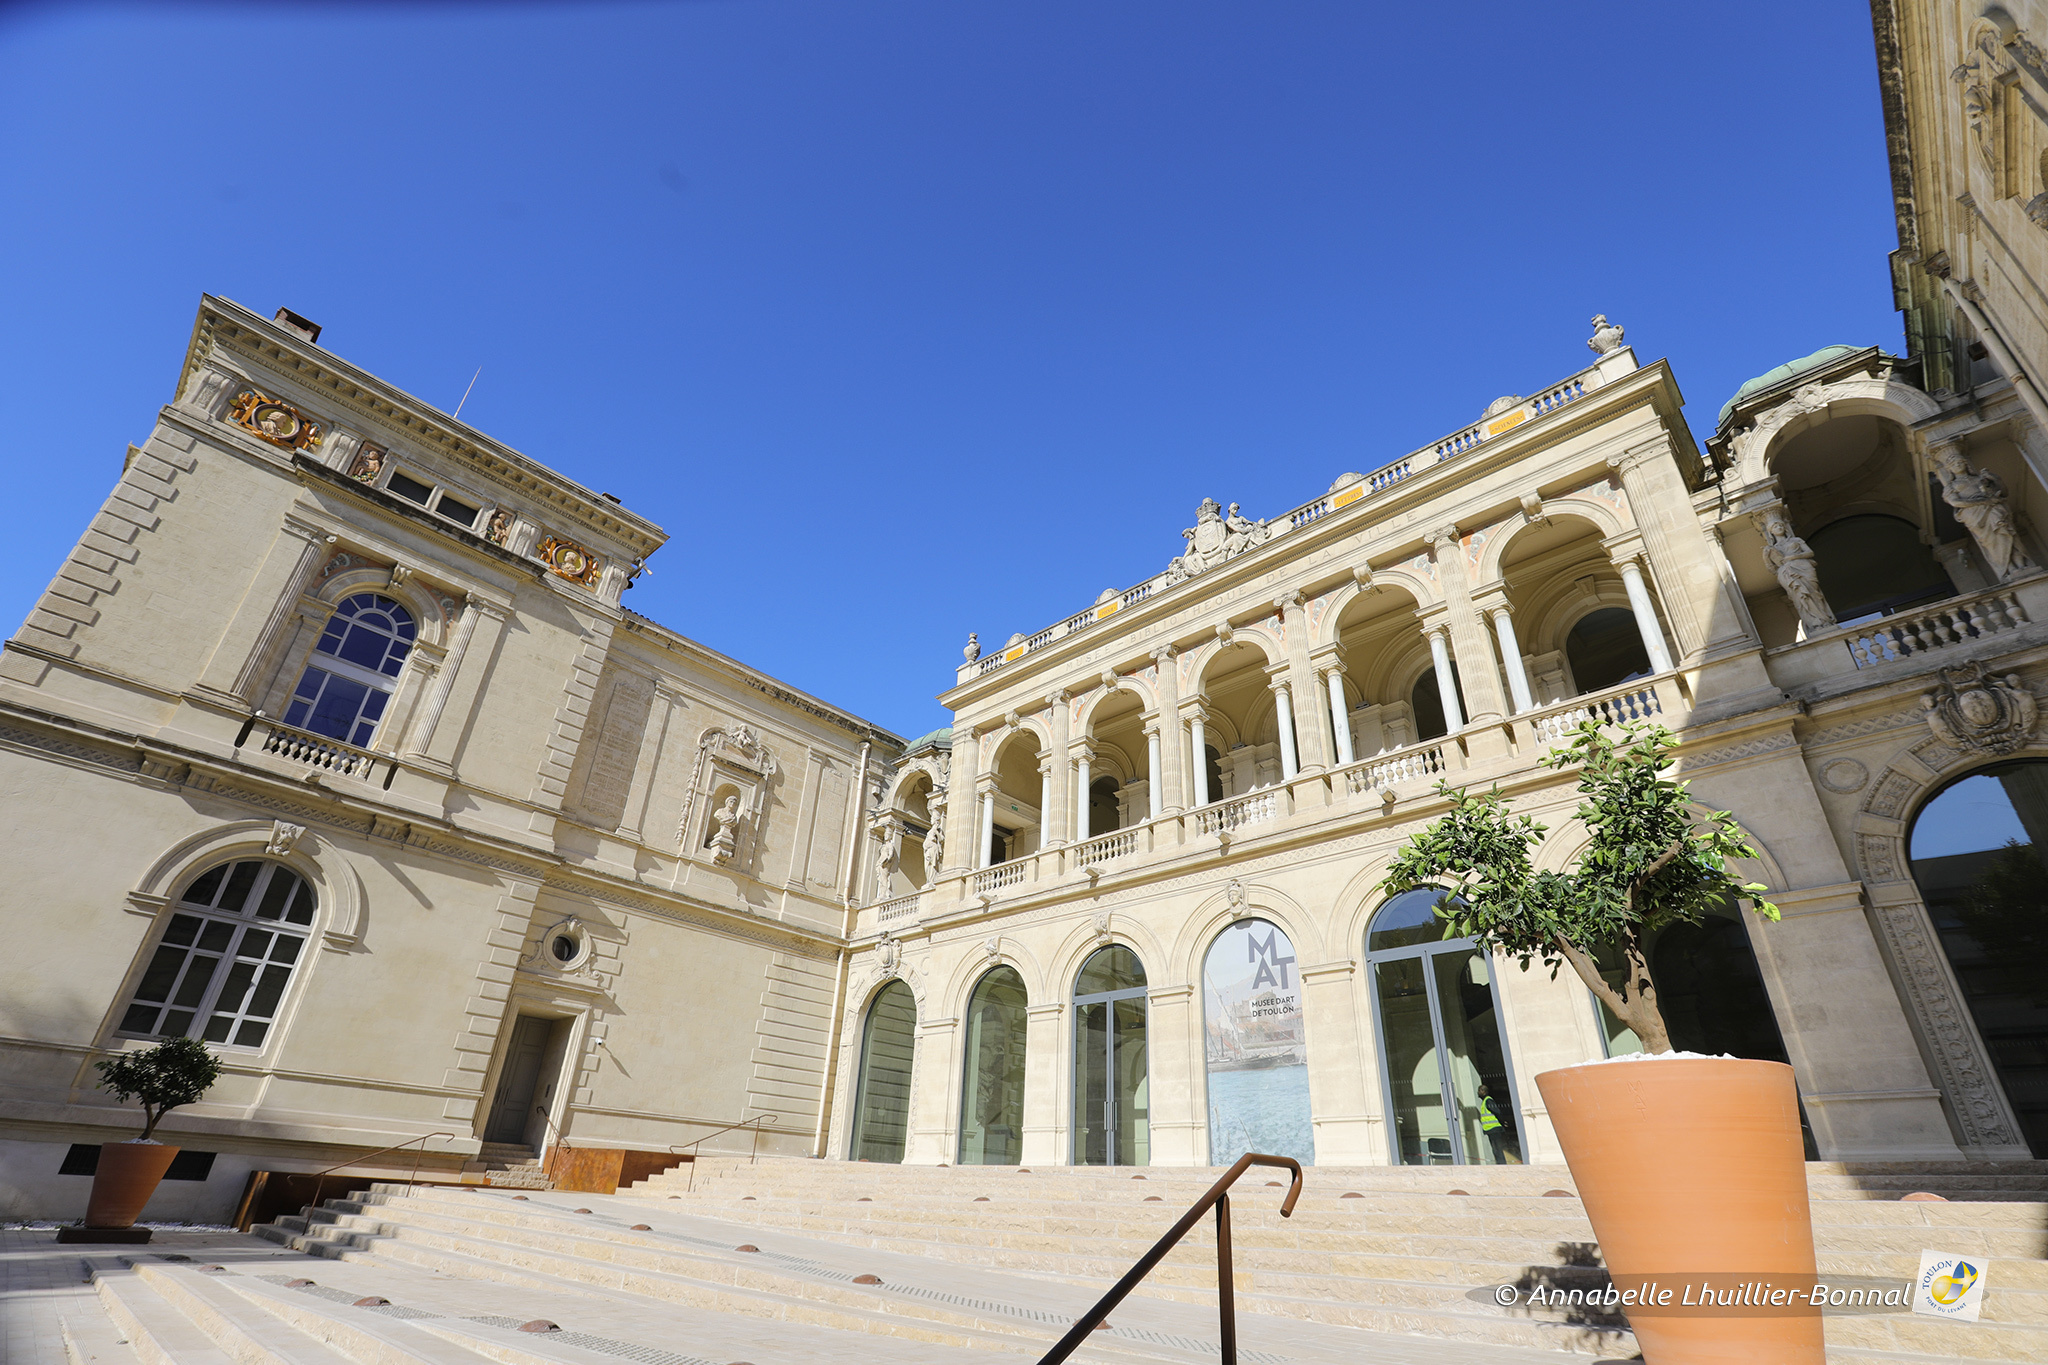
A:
[1871,565]
[1605,649]
[1977,851]
[1112,1088]
[225,957]
[1256,1049]
[1450,1096]
[354,670]
[881,1103]
[1105,811]
[992,1091]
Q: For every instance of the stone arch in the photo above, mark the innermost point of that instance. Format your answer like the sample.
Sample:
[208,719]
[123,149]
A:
[1084,713]
[1212,915]
[1421,589]
[1081,942]
[1812,404]
[341,917]
[992,741]
[974,961]
[1605,522]
[425,605]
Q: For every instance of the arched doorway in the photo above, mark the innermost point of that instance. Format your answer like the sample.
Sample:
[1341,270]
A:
[1112,1093]
[992,1086]
[1450,1095]
[1255,1046]
[1977,853]
[881,1104]
[1605,649]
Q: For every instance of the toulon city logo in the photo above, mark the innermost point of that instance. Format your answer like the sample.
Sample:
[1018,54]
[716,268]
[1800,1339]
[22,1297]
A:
[1272,967]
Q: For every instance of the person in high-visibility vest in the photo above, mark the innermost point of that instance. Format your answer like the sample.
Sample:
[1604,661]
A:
[1490,1124]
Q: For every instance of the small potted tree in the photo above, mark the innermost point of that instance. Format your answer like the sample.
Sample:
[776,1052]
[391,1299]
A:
[176,1072]
[1686,1164]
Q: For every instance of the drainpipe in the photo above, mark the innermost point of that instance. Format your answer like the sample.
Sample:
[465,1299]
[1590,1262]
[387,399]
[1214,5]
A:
[853,847]
[2024,385]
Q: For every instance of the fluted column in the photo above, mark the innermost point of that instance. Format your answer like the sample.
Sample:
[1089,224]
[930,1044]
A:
[1446,686]
[1199,751]
[1468,641]
[1153,779]
[1511,657]
[1283,706]
[1053,818]
[1645,613]
[1171,785]
[1311,749]
[1340,714]
[1681,559]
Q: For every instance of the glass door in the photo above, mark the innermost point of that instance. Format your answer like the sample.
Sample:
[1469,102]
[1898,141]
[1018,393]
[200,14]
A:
[1450,1095]
[1112,1090]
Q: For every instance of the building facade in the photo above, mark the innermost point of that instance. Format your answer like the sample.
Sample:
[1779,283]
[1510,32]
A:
[332,744]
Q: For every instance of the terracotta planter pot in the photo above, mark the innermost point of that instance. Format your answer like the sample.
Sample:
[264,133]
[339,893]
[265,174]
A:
[127,1176]
[1691,1167]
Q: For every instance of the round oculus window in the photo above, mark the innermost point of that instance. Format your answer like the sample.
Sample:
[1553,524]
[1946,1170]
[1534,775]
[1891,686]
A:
[564,948]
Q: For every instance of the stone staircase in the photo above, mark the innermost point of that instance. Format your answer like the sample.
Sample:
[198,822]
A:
[512,1166]
[779,1262]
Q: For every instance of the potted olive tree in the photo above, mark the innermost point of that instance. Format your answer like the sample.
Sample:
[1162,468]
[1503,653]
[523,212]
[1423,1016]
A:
[176,1072]
[1687,1164]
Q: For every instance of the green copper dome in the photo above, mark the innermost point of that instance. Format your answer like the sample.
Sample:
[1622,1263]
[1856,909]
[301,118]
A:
[942,735]
[1770,379]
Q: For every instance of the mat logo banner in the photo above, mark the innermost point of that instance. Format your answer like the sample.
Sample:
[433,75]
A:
[1949,1286]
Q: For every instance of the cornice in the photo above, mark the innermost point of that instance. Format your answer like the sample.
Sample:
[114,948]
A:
[223,324]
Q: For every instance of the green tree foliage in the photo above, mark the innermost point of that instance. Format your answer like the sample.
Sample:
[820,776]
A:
[175,1072]
[1652,861]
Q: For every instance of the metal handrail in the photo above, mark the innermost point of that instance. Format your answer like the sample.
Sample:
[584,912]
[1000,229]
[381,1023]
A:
[752,1154]
[396,1146]
[1217,1197]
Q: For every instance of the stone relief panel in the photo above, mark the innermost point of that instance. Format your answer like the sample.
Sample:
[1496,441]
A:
[730,782]
[279,423]
[604,776]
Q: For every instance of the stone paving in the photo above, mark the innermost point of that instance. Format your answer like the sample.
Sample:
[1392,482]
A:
[42,1284]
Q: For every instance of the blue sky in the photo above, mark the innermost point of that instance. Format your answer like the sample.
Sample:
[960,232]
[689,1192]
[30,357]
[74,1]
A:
[910,318]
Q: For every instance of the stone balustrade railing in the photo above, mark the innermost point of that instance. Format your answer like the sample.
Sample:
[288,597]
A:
[1401,765]
[1253,808]
[315,751]
[1638,699]
[898,908]
[1961,619]
[1001,875]
[1549,400]
[1105,847]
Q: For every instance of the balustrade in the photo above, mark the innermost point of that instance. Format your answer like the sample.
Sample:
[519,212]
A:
[316,751]
[1952,623]
[897,908]
[1315,511]
[1637,700]
[1104,847]
[1403,765]
[1559,396]
[1254,808]
[1391,475]
[1001,875]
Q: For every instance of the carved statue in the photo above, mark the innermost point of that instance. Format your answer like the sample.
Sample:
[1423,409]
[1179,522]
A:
[499,528]
[892,842]
[935,838]
[368,465]
[1606,335]
[1214,538]
[1979,501]
[1791,559]
[973,650]
[728,818]
[283,837]
[1971,711]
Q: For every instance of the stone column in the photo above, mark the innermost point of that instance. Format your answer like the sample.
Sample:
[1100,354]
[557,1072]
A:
[248,644]
[1198,747]
[1681,559]
[987,827]
[1053,796]
[1173,1027]
[963,772]
[1283,708]
[1341,1104]
[1082,753]
[934,1099]
[1446,688]
[1311,749]
[1468,642]
[1646,614]
[1153,781]
[1340,714]
[1168,780]
[1511,657]
[437,697]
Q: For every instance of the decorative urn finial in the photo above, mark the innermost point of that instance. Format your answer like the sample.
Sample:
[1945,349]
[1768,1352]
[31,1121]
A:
[1606,335]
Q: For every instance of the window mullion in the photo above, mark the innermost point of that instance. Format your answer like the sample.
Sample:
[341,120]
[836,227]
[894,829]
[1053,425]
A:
[203,1012]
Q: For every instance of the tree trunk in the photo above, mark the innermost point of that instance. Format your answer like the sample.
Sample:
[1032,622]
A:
[1636,1004]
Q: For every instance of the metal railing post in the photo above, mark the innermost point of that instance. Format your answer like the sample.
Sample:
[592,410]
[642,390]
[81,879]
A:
[1226,1304]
